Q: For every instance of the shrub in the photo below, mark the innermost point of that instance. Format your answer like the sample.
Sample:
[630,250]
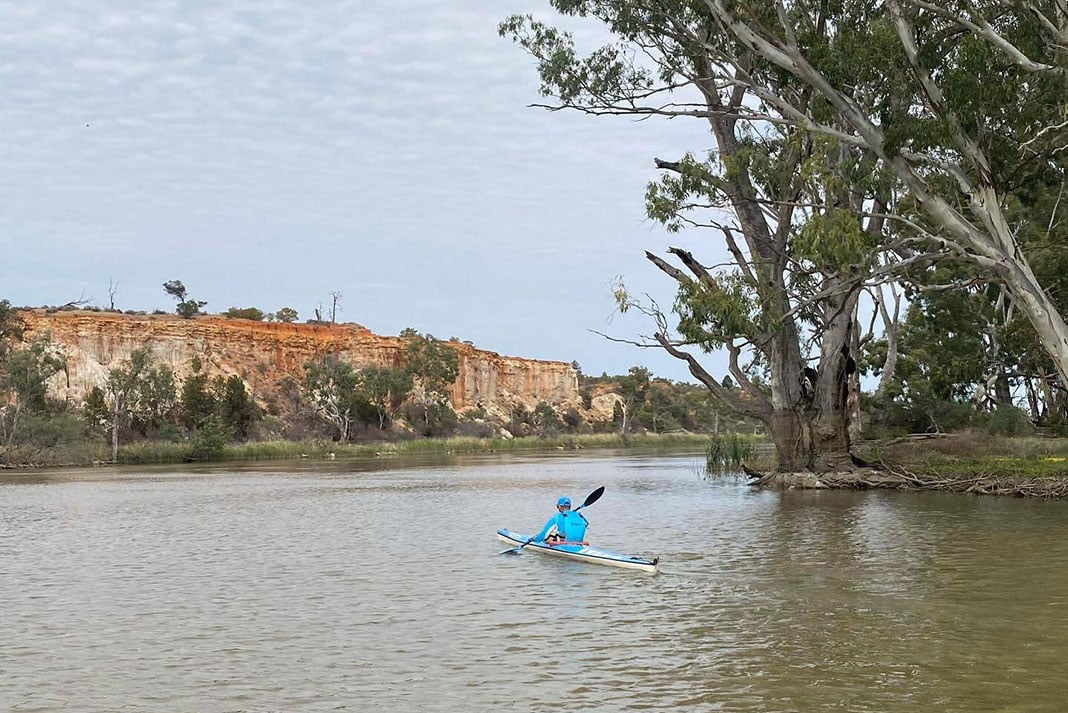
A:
[209,440]
[1010,421]
[244,313]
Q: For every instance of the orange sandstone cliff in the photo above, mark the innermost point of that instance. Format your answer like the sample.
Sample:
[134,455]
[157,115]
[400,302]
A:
[263,353]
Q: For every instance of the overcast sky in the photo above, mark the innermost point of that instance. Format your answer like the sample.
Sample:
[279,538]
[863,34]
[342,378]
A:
[269,152]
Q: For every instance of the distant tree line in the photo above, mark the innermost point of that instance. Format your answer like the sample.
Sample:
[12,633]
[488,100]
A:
[649,404]
[142,399]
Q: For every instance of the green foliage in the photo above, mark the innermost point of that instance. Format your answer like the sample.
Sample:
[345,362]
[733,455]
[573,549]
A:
[252,313]
[955,346]
[431,419]
[385,389]
[660,405]
[187,308]
[727,453]
[209,439]
[24,374]
[433,364]
[139,389]
[235,410]
[833,240]
[96,411]
[157,402]
[49,437]
[286,314]
[1010,421]
[27,369]
[606,74]
[922,413]
[139,395]
[330,385]
[11,328]
[713,313]
[635,385]
[197,403]
[546,420]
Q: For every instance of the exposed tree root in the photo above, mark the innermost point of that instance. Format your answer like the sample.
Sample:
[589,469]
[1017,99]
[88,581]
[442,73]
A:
[886,477]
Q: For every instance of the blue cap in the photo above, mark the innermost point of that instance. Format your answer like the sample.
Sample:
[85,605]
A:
[564,500]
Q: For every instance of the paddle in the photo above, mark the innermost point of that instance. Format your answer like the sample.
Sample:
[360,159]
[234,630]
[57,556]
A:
[590,500]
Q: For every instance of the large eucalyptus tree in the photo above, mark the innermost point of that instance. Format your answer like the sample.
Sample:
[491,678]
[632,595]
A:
[800,215]
[853,138]
[980,111]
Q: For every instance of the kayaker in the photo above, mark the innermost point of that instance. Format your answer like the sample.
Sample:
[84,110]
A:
[565,526]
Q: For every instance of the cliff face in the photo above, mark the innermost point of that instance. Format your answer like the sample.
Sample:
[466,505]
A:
[263,353]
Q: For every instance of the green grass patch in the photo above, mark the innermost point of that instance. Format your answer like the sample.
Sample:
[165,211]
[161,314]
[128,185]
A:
[954,466]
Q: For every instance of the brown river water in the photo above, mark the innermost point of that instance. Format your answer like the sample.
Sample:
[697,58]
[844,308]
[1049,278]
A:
[371,586]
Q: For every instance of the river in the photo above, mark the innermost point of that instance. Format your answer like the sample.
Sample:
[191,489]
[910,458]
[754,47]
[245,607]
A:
[378,586]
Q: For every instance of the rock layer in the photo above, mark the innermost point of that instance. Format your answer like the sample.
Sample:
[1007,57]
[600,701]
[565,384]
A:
[263,353]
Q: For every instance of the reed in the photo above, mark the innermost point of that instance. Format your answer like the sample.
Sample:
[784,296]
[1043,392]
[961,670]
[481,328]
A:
[726,453]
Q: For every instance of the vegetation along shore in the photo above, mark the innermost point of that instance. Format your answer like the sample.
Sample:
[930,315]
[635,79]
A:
[147,409]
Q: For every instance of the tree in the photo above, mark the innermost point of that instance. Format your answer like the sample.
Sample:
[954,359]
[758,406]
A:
[385,389]
[197,403]
[209,406]
[546,419]
[235,410]
[335,300]
[330,385]
[113,287]
[962,102]
[944,349]
[633,389]
[158,399]
[131,389]
[286,314]
[846,157]
[434,367]
[24,375]
[187,307]
[800,242]
[11,328]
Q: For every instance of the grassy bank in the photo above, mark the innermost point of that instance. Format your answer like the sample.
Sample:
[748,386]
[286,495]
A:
[162,452]
[974,453]
[151,452]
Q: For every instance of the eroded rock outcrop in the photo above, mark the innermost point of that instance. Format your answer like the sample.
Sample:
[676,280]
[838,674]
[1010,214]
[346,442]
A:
[263,353]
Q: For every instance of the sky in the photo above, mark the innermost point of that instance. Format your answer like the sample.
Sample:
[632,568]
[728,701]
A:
[268,153]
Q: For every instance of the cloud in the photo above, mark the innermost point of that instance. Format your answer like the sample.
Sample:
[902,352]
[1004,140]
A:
[271,151]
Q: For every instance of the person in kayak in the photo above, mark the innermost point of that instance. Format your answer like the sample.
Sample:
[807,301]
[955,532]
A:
[566,525]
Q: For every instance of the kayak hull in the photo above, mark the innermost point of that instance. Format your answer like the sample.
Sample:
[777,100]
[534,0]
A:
[581,553]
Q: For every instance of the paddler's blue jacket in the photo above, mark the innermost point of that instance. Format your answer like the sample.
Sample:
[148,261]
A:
[569,523]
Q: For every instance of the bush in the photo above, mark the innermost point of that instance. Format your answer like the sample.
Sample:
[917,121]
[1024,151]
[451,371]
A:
[244,313]
[209,440]
[1010,421]
[923,416]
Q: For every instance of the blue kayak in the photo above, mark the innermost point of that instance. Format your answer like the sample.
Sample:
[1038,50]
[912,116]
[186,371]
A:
[581,552]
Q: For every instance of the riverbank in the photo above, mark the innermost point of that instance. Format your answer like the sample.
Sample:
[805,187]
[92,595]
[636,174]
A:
[162,452]
[972,462]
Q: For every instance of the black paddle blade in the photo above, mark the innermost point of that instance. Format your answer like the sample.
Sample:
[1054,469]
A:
[510,551]
[593,497]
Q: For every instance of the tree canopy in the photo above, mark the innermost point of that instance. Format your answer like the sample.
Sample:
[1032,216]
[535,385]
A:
[855,143]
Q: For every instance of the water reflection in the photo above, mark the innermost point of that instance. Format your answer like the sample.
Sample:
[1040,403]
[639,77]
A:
[326,586]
